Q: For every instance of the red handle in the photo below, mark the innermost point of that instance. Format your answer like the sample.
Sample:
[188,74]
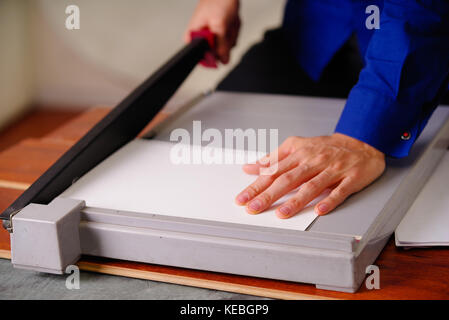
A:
[209,60]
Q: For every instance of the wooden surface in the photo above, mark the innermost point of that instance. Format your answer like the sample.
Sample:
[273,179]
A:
[412,274]
[26,126]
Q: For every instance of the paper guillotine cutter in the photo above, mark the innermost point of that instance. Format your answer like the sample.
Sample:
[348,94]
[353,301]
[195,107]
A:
[49,231]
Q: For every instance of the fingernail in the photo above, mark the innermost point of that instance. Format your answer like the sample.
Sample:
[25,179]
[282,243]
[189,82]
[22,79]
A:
[243,198]
[285,210]
[322,208]
[255,205]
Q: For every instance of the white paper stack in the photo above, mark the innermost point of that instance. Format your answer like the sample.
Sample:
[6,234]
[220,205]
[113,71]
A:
[141,177]
[427,221]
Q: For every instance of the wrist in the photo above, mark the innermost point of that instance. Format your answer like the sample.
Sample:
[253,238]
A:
[355,144]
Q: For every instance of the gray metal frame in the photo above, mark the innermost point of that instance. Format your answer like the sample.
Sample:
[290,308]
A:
[332,254]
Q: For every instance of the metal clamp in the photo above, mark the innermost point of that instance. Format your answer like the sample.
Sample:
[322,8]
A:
[7,223]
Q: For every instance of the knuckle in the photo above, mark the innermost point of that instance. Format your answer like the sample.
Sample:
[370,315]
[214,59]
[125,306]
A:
[287,178]
[294,203]
[307,151]
[253,189]
[311,186]
[356,174]
[341,192]
[304,167]
[338,165]
[327,174]
[350,179]
[266,179]
[337,195]
[322,157]
[265,197]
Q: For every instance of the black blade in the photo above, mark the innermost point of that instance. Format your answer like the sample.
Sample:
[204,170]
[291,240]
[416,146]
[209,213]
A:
[117,128]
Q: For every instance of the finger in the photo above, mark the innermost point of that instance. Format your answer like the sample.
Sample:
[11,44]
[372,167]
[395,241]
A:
[223,51]
[269,160]
[306,193]
[339,194]
[264,181]
[260,169]
[222,47]
[233,33]
[230,38]
[252,168]
[285,183]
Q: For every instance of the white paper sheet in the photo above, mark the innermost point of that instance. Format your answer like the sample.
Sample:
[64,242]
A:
[427,221]
[141,178]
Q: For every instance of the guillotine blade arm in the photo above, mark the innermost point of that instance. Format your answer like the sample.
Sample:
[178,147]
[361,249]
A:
[118,127]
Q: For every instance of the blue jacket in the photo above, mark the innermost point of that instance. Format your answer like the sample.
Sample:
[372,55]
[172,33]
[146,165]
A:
[406,62]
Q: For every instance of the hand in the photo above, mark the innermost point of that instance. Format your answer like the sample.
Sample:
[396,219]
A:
[222,19]
[339,162]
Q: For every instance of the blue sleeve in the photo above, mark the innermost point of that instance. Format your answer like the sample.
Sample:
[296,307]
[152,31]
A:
[407,62]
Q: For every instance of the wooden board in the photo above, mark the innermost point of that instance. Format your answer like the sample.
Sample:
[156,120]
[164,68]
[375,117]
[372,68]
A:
[414,274]
[48,119]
